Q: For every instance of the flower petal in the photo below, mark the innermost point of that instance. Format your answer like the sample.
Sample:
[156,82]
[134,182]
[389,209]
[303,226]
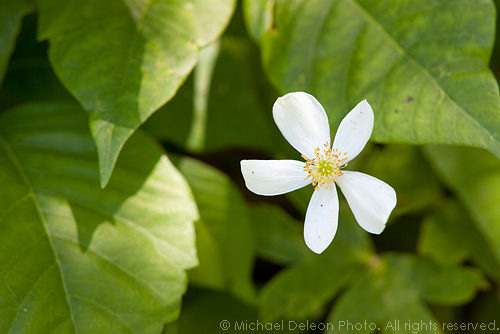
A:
[273,177]
[302,121]
[371,200]
[354,130]
[321,219]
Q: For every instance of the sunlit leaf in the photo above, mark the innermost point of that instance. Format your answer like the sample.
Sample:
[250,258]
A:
[124,59]
[423,65]
[225,240]
[75,258]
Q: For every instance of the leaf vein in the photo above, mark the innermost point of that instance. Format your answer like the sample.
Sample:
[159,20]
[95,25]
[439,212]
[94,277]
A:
[22,174]
[115,265]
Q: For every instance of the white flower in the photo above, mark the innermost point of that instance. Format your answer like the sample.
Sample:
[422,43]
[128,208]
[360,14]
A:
[303,122]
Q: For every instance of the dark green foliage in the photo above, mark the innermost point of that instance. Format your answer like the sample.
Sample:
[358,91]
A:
[105,93]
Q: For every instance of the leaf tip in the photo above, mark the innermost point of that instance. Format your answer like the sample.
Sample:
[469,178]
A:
[109,139]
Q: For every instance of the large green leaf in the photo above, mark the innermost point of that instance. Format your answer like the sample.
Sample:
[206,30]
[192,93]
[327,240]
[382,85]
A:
[102,261]
[394,291]
[302,290]
[423,65]
[224,236]
[474,175]
[11,13]
[124,59]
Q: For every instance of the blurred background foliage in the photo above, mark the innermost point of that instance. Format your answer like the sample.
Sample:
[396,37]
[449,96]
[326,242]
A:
[178,247]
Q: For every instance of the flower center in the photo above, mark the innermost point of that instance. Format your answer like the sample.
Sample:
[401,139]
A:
[325,166]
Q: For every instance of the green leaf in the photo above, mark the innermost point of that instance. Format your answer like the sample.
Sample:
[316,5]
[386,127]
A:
[124,59]
[259,17]
[395,289]
[425,87]
[225,241]
[449,237]
[11,13]
[279,237]
[302,290]
[110,260]
[474,175]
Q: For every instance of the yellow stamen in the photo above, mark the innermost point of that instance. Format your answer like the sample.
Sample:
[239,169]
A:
[325,167]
